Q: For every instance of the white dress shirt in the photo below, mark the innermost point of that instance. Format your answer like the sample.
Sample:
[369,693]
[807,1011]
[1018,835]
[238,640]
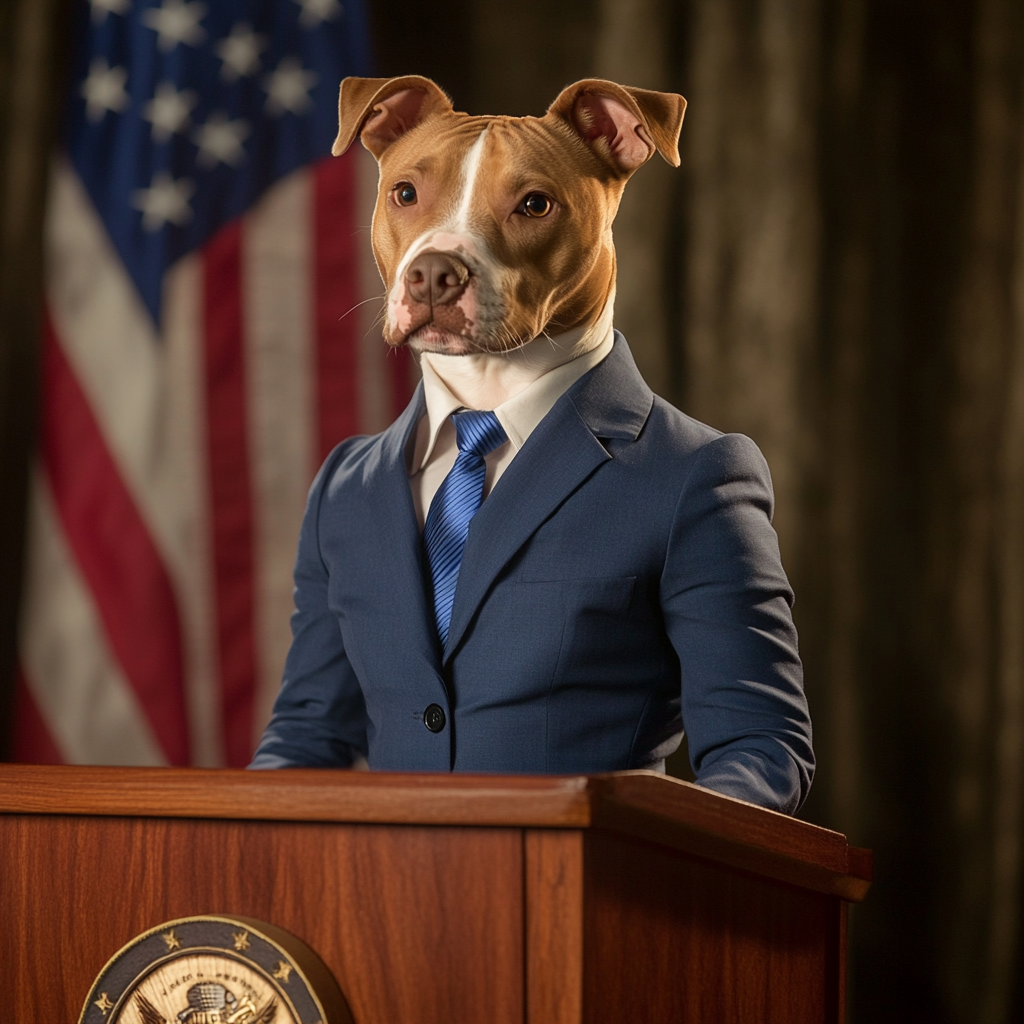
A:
[538,374]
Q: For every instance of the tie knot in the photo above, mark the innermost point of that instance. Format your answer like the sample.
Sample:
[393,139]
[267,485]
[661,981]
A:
[478,432]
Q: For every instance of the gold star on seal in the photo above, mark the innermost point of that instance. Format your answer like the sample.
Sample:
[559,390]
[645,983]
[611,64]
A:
[172,940]
[241,940]
[103,1003]
[283,971]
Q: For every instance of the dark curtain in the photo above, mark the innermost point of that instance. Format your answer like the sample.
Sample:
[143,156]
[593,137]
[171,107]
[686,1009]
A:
[854,296]
[30,59]
[838,271]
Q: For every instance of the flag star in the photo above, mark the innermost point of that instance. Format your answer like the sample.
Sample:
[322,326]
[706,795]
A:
[220,140]
[240,52]
[101,8]
[166,201]
[104,90]
[316,11]
[288,87]
[168,110]
[176,21]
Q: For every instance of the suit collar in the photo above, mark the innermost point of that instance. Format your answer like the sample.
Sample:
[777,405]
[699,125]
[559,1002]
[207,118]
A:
[548,371]
[395,440]
[613,399]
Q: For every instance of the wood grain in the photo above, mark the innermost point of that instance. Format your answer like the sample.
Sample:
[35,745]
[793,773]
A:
[554,900]
[688,818]
[419,925]
[298,794]
[669,937]
[554,926]
[674,813]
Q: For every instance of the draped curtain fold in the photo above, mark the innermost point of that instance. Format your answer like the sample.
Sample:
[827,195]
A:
[30,48]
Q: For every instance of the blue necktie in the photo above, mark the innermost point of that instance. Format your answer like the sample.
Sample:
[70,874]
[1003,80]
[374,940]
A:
[454,505]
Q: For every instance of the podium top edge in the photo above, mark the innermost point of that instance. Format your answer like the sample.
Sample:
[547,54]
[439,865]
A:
[640,804]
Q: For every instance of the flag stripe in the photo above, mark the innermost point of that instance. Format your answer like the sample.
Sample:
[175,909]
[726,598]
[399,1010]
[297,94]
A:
[114,552]
[336,298]
[180,422]
[230,488]
[276,289]
[33,743]
[90,708]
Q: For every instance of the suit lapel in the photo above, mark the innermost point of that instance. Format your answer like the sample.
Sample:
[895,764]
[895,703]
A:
[611,401]
[394,526]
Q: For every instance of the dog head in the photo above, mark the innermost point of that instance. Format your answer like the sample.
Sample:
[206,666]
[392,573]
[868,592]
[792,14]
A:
[492,231]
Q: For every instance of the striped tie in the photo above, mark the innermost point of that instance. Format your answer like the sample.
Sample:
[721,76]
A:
[454,505]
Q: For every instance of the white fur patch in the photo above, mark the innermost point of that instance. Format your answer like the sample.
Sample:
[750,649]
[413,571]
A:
[481,302]
[470,169]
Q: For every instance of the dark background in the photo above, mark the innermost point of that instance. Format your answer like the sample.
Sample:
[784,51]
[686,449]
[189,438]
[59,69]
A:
[836,270]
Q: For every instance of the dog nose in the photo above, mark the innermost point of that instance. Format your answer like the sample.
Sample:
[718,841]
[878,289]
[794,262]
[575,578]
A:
[436,279]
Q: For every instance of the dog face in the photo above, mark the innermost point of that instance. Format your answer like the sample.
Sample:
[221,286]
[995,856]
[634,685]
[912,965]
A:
[491,231]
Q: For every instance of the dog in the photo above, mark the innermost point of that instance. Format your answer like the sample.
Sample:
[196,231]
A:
[617,574]
[491,232]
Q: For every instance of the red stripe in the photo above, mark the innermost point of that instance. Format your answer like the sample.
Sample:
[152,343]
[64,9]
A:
[230,489]
[336,294]
[33,743]
[400,376]
[114,551]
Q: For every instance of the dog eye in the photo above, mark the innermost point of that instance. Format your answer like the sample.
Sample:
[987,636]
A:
[536,204]
[405,194]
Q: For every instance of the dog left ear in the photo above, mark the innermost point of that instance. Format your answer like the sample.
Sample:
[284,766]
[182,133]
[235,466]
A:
[381,110]
[624,126]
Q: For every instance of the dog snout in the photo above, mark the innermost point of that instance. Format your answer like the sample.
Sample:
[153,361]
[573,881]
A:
[436,279]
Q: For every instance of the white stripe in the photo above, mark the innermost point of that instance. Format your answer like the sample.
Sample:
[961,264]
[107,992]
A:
[147,397]
[191,563]
[470,169]
[88,706]
[374,376]
[459,224]
[277,290]
[111,343]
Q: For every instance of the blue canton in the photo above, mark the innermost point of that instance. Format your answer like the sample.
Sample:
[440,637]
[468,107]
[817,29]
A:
[183,113]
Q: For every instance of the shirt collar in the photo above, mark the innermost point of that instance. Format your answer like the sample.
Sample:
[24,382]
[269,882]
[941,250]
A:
[549,365]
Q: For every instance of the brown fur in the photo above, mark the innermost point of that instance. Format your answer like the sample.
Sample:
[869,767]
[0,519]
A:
[548,274]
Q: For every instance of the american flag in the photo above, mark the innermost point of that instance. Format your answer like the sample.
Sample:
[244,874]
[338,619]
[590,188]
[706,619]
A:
[201,356]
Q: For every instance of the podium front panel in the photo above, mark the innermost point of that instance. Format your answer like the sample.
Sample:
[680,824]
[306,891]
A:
[377,903]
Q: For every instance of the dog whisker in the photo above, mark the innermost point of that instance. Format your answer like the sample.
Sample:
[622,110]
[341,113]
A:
[372,298]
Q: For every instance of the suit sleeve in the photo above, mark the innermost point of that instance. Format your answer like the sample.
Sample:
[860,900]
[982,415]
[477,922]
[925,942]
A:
[319,717]
[727,606]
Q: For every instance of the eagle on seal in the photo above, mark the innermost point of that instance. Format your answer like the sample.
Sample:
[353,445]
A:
[209,1002]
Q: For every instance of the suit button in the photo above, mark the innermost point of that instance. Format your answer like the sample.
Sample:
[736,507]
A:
[433,717]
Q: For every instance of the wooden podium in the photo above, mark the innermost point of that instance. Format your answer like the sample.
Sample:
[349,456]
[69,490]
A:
[629,897]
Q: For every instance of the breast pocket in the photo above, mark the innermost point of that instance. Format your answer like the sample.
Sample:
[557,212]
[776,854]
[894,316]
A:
[532,633]
[589,614]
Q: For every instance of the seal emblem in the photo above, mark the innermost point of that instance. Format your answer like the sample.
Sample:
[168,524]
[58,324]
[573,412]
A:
[215,970]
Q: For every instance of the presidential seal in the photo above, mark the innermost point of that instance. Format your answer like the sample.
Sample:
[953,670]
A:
[215,970]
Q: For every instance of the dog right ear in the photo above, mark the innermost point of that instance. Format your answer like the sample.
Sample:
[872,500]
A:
[622,125]
[381,110]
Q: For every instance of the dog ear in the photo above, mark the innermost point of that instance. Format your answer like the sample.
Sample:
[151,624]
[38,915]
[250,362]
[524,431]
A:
[624,126]
[382,110]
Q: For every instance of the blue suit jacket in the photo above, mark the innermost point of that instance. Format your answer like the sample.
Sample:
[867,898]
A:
[621,579]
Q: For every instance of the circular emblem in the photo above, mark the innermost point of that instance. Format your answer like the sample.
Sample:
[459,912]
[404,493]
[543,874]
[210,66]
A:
[215,970]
